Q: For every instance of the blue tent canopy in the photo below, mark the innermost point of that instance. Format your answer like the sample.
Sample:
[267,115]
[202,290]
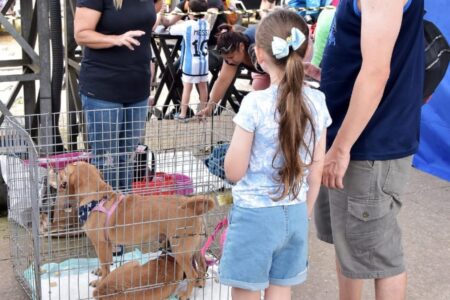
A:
[434,150]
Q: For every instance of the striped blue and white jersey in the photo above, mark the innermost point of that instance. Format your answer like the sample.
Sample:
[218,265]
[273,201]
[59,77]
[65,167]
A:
[194,50]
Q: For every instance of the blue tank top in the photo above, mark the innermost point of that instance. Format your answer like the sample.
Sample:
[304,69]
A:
[393,131]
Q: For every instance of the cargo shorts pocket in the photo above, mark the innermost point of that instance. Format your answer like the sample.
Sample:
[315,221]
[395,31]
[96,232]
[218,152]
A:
[397,174]
[367,221]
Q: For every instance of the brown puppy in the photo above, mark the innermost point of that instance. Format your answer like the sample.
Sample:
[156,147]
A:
[137,219]
[155,280]
[59,216]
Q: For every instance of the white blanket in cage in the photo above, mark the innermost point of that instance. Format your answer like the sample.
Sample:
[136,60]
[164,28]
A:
[69,280]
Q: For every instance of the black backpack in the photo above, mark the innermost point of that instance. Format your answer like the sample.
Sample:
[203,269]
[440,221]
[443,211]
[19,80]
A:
[437,57]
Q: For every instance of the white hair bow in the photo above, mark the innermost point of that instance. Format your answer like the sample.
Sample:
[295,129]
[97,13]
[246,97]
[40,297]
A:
[280,47]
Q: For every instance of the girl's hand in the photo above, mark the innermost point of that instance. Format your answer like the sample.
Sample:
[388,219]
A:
[128,39]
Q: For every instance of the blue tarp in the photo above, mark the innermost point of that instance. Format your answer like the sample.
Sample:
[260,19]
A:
[434,151]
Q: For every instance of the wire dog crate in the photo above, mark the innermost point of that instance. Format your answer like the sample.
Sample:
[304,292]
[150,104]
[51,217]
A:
[158,204]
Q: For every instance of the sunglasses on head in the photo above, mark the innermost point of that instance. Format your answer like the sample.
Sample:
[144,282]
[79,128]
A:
[225,50]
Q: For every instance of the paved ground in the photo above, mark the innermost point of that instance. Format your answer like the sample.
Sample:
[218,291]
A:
[425,220]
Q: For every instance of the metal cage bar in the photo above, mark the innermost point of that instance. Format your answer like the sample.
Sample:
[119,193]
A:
[50,248]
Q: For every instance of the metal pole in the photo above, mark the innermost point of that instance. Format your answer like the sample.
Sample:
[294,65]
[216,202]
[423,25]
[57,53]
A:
[44,77]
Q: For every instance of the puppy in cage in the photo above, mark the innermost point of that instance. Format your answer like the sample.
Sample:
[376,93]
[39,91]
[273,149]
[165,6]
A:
[58,214]
[154,280]
[132,219]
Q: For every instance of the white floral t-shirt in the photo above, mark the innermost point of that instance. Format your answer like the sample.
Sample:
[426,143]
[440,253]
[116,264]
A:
[257,114]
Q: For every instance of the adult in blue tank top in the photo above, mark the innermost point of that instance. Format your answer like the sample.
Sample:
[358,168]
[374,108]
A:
[115,80]
[309,4]
[372,76]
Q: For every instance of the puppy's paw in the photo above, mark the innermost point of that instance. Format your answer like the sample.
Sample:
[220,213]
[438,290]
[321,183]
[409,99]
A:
[183,295]
[200,283]
[94,283]
[97,272]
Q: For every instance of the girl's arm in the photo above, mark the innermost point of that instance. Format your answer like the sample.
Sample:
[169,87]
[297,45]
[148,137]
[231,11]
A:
[315,172]
[85,22]
[238,154]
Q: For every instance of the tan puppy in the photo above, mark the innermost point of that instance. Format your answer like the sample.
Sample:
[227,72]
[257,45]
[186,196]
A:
[59,214]
[157,279]
[137,219]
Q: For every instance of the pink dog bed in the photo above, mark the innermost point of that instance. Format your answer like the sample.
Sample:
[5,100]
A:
[60,161]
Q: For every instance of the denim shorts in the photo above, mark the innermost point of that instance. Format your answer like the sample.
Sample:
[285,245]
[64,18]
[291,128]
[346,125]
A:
[361,220]
[265,246]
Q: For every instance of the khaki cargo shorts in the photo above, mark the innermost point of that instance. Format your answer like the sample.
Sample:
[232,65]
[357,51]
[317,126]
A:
[361,219]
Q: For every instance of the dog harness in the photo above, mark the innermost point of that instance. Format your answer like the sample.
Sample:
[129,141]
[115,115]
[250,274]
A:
[85,210]
[100,207]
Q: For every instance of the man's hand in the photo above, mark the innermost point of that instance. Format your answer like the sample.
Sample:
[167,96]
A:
[335,167]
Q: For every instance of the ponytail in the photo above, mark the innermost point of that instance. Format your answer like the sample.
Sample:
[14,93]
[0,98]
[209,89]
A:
[294,119]
[283,35]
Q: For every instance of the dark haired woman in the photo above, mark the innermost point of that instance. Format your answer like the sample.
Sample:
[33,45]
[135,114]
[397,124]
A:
[237,50]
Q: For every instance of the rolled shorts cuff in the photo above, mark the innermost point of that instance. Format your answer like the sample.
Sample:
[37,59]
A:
[375,274]
[251,286]
[298,279]
[325,238]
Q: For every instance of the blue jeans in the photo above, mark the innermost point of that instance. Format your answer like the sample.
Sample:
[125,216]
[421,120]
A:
[114,130]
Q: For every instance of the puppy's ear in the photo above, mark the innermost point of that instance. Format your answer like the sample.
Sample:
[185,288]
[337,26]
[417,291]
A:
[100,174]
[199,204]
[63,179]
[52,179]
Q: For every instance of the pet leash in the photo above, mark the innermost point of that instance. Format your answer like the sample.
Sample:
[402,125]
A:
[222,225]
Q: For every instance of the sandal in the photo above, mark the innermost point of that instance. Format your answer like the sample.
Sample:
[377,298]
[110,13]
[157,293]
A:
[181,119]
